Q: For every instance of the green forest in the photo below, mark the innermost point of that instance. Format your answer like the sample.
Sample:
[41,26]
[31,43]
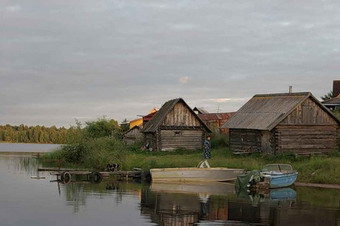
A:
[102,127]
[36,134]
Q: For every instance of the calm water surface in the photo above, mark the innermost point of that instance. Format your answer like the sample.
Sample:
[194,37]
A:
[27,148]
[27,200]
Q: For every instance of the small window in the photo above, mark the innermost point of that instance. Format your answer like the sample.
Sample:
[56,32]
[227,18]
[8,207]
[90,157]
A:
[178,133]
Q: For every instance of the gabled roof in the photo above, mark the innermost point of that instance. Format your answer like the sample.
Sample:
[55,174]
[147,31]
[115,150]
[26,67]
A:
[266,111]
[159,117]
[333,101]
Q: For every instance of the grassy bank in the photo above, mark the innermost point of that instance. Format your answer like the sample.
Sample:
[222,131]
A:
[98,152]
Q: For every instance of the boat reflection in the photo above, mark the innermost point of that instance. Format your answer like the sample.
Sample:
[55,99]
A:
[215,188]
[209,204]
[272,196]
[186,203]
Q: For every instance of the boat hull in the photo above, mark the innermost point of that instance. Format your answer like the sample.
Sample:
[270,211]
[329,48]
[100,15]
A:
[195,174]
[280,181]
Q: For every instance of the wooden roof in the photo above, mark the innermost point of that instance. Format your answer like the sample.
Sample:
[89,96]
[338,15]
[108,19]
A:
[159,117]
[266,111]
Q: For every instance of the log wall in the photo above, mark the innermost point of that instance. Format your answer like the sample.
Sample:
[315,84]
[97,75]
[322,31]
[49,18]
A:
[245,141]
[306,139]
[188,139]
[133,136]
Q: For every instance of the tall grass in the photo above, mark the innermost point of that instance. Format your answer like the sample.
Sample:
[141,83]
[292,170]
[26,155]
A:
[93,153]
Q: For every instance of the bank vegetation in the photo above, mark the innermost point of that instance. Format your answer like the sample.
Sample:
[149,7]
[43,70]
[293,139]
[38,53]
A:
[99,143]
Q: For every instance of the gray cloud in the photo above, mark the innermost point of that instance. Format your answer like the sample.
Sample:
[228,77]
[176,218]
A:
[61,60]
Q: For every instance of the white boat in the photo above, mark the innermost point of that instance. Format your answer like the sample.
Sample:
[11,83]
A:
[195,174]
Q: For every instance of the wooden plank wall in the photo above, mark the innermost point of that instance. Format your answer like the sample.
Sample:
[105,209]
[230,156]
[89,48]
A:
[133,136]
[188,139]
[180,115]
[306,139]
[134,133]
[309,113]
[245,141]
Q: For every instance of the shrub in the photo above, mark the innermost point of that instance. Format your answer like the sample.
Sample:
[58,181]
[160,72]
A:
[93,153]
[219,140]
[73,153]
[102,128]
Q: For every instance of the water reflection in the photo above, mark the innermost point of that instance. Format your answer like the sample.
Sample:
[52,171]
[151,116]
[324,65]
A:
[20,163]
[168,206]
[78,191]
[81,202]
[204,204]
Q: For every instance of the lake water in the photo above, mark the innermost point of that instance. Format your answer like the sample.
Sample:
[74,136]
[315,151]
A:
[27,200]
[27,148]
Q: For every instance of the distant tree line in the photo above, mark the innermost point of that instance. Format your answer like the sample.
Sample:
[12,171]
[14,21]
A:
[102,127]
[36,134]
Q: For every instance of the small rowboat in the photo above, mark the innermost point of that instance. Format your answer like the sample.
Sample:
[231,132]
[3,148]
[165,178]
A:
[271,176]
[279,175]
[195,174]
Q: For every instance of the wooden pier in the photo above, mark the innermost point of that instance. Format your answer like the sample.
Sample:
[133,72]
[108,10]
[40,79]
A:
[65,175]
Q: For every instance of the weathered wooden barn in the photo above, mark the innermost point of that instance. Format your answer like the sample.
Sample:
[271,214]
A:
[133,135]
[175,126]
[215,121]
[278,123]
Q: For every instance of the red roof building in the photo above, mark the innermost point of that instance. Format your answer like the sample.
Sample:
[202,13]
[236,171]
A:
[216,120]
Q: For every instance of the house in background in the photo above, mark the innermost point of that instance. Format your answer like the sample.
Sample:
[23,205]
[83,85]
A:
[215,121]
[134,134]
[334,103]
[279,123]
[175,126]
[140,121]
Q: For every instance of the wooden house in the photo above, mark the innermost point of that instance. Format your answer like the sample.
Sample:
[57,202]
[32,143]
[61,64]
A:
[174,126]
[133,135]
[332,104]
[215,121]
[278,123]
[143,119]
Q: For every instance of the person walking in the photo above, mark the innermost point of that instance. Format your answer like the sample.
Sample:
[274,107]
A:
[206,153]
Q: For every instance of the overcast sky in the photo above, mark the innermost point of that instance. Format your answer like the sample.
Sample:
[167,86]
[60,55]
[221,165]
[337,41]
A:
[62,60]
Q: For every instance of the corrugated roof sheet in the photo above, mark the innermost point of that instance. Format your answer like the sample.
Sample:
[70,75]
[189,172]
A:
[265,111]
[159,117]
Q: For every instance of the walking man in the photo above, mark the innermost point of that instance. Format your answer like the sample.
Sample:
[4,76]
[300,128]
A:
[206,154]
